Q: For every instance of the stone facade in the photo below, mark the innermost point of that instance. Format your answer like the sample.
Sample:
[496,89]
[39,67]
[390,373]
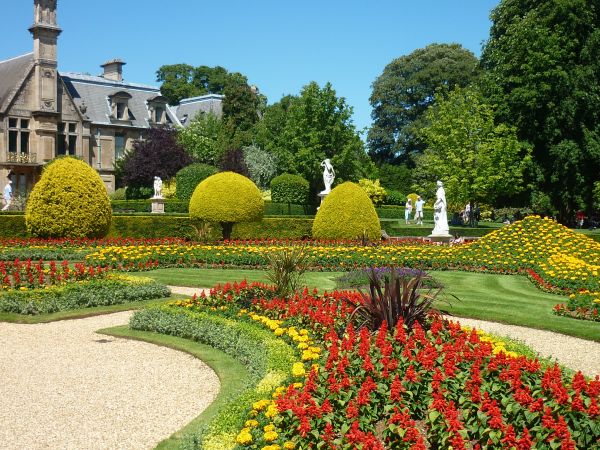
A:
[45,113]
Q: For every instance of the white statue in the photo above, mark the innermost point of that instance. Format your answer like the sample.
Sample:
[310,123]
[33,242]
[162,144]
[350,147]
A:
[328,176]
[440,214]
[157,187]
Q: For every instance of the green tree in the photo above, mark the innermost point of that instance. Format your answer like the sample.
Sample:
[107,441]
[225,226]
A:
[318,125]
[542,64]
[404,91]
[241,110]
[476,159]
[268,132]
[176,82]
[205,138]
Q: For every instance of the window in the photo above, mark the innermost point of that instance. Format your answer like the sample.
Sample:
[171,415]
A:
[159,112]
[66,139]
[121,110]
[119,106]
[18,135]
[119,146]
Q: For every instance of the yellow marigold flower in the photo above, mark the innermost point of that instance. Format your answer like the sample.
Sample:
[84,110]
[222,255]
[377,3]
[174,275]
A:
[297,385]
[272,411]
[270,436]
[279,331]
[251,423]
[260,405]
[289,445]
[269,427]
[298,369]
[244,438]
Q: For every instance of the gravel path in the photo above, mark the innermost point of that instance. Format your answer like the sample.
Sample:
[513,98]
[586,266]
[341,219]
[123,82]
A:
[63,386]
[578,354]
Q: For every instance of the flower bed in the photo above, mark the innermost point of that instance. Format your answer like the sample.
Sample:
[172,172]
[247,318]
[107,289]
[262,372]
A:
[439,387]
[112,289]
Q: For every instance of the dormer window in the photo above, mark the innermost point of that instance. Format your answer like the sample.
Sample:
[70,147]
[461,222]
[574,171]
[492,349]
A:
[157,107]
[119,104]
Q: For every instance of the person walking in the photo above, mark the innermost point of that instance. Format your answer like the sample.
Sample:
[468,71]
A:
[419,210]
[7,197]
[407,210]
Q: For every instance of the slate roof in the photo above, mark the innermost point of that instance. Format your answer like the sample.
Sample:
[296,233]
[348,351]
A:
[12,73]
[189,107]
[95,91]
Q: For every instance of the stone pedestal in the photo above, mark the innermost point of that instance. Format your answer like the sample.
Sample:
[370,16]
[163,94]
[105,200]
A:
[322,195]
[444,238]
[158,205]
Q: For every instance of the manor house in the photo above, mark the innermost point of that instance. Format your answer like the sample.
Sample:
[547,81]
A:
[45,113]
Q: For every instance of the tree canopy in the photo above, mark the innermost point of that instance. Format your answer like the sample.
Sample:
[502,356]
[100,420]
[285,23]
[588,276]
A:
[159,154]
[302,131]
[205,138]
[476,159]
[404,91]
[542,64]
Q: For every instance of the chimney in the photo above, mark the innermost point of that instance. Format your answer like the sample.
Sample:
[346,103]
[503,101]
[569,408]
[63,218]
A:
[113,69]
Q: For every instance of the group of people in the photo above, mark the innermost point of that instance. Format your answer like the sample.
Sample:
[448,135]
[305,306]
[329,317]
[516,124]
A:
[418,210]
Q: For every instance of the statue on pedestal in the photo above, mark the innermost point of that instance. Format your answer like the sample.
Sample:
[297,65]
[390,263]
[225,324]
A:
[328,176]
[157,187]
[440,212]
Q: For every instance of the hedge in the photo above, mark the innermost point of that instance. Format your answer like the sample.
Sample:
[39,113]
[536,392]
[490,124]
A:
[171,206]
[397,212]
[12,225]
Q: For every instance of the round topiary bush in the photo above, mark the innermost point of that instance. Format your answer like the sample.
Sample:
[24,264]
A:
[227,198]
[288,188]
[70,200]
[189,177]
[347,213]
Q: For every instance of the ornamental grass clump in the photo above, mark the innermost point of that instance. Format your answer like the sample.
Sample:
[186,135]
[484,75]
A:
[286,269]
[394,299]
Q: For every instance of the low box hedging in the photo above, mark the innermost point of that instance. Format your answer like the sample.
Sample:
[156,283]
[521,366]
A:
[272,227]
[12,225]
[145,206]
[288,209]
[112,290]
[267,358]
[397,212]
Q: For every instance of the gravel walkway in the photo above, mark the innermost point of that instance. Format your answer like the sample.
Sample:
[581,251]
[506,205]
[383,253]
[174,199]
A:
[65,387]
[578,354]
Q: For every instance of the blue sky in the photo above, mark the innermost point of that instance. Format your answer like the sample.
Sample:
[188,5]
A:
[280,45]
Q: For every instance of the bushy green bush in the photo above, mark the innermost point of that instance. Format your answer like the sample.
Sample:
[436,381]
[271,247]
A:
[395,198]
[138,192]
[119,194]
[70,200]
[113,290]
[191,176]
[373,189]
[262,165]
[597,195]
[288,188]
[347,213]
[13,225]
[227,198]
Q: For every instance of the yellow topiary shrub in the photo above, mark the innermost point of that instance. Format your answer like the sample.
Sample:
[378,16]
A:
[227,198]
[346,213]
[69,200]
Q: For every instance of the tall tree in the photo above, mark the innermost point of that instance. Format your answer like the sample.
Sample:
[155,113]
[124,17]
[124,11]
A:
[318,125]
[404,91]
[476,159]
[205,138]
[542,64]
[159,154]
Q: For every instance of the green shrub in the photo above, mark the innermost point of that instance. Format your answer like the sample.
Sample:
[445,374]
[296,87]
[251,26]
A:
[596,195]
[288,188]
[274,227]
[119,194]
[145,206]
[13,225]
[373,189]
[191,176]
[114,290]
[150,226]
[288,209]
[227,198]
[138,192]
[346,213]
[395,198]
[70,200]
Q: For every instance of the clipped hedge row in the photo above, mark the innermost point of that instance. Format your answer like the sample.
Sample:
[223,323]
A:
[113,290]
[397,212]
[145,206]
[267,358]
[12,225]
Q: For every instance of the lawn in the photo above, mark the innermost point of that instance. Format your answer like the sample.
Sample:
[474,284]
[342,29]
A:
[500,298]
